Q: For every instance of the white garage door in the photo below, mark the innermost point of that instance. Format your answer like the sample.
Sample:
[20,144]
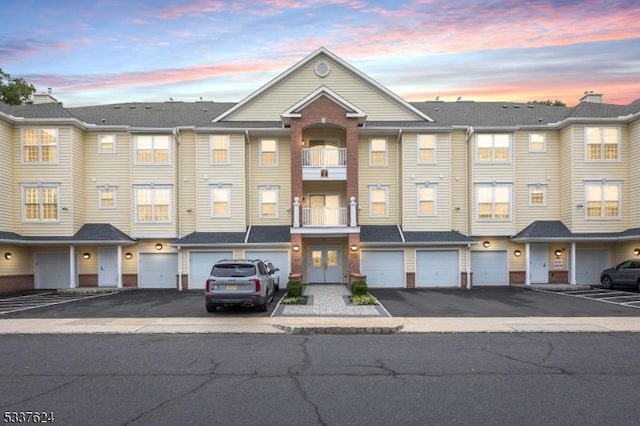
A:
[437,268]
[279,258]
[590,263]
[200,265]
[490,268]
[383,268]
[158,270]
[52,270]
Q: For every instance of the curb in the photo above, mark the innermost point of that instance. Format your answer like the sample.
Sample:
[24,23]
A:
[338,330]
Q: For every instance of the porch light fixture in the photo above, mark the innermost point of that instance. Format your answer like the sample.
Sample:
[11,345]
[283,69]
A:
[158,246]
[558,253]
[486,244]
[354,247]
[86,255]
[128,255]
[517,253]
[7,255]
[636,251]
[296,247]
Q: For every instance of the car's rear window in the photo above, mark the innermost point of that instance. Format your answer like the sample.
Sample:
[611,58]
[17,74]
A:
[233,270]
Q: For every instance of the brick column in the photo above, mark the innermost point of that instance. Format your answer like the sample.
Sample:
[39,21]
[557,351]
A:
[296,160]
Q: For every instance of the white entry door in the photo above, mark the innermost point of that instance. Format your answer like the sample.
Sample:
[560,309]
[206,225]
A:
[324,265]
[107,266]
[539,263]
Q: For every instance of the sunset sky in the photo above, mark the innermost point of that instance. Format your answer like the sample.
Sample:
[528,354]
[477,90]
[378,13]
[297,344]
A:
[107,51]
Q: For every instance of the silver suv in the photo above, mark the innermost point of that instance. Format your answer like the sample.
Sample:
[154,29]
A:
[239,282]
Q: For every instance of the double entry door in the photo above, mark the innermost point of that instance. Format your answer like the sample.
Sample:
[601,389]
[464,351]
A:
[324,264]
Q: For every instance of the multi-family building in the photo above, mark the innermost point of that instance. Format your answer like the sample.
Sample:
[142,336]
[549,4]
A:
[328,174]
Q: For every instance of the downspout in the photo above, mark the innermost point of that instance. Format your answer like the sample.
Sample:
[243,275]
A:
[398,192]
[467,216]
[249,212]
[176,135]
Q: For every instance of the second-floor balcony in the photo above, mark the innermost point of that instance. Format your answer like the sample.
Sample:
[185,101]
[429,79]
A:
[324,216]
[325,219]
[324,163]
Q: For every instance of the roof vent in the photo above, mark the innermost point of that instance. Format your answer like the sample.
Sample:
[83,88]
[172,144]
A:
[505,106]
[147,107]
[516,106]
[116,107]
[530,106]
[103,120]
[132,107]
[540,120]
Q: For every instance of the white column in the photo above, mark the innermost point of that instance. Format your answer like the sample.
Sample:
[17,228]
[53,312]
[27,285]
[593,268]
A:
[296,212]
[119,263]
[73,273]
[527,264]
[572,264]
[352,211]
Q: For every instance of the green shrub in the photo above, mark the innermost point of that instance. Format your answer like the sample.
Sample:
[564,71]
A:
[294,289]
[359,288]
[365,299]
[300,300]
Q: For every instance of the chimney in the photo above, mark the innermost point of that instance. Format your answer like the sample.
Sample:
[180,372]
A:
[589,96]
[44,98]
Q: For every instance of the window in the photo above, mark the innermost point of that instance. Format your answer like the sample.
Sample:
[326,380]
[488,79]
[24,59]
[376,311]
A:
[152,149]
[537,195]
[537,142]
[603,200]
[107,197]
[220,200]
[219,145]
[106,144]
[494,201]
[378,152]
[493,148]
[378,201]
[40,202]
[427,200]
[268,152]
[269,202]
[153,203]
[602,143]
[40,145]
[426,149]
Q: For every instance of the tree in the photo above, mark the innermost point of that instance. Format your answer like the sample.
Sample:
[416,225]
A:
[15,91]
[549,102]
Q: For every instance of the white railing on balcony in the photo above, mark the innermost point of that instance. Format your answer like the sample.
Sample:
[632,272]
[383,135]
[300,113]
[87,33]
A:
[324,157]
[324,216]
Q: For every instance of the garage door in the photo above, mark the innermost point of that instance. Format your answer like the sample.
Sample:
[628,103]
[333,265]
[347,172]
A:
[279,258]
[490,268]
[158,270]
[590,263]
[200,264]
[383,268]
[437,268]
[52,270]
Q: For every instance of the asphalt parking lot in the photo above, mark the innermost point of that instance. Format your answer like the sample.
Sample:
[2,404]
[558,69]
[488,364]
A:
[477,302]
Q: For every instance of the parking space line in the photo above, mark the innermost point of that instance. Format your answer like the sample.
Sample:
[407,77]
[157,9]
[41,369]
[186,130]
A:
[34,303]
[606,296]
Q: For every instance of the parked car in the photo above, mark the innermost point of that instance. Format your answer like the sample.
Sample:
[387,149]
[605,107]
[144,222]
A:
[240,283]
[625,274]
[272,272]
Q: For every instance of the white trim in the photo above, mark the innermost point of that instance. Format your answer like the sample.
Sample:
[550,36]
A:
[493,160]
[352,111]
[260,152]
[228,150]
[541,186]
[153,149]
[601,183]
[435,148]
[492,185]
[39,162]
[153,203]
[39,186]
[386,189]
[115,143]
[274,188]
[212,187]
[432,186]
[601,130]
[544,142]
[386,152]
[115,197]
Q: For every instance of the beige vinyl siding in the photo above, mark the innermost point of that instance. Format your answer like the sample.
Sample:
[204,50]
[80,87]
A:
[438,175]
[459,188]
[187,183]
[536,168]
[633,200]
[77,206]
[232,174]
[113,170]
[21,262]
[6,176]
[277,99]
[487,173]
[567,200]
[158,175]
[60,174]
[384,175]
[612,171]
[279,177]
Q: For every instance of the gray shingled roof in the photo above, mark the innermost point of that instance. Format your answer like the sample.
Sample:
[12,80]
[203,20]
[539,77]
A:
[211,238]
[46,110]
[90,232]
[269,234]
[547,230]
[380,234]
[437,237]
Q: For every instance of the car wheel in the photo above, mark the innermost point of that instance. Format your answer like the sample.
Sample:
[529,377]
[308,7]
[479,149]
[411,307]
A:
[211,308]
[276,288]
[606,282]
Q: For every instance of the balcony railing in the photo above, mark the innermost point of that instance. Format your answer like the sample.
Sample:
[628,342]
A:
[324,216]
[324,157]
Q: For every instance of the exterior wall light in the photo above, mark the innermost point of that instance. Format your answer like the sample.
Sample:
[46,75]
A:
[7,255]
[158,246]
[128,255]
[636,251]
[558,253]
[86,255]
[296,247]
[486,244]
[354,247]
[517,253]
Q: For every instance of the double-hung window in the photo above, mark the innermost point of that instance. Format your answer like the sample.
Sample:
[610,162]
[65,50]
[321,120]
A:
[426,149]
[427,199]
[378,201]
[40,145]
[269,152]
[219,145]
[106,144]
[493,201]
[537,142]
[153,203]
[220,200]
[603,200]
[378,154]
[493,148]
[269,202]
[602,143]
[537,195]
[152,149]
[107,197]
[40,203]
